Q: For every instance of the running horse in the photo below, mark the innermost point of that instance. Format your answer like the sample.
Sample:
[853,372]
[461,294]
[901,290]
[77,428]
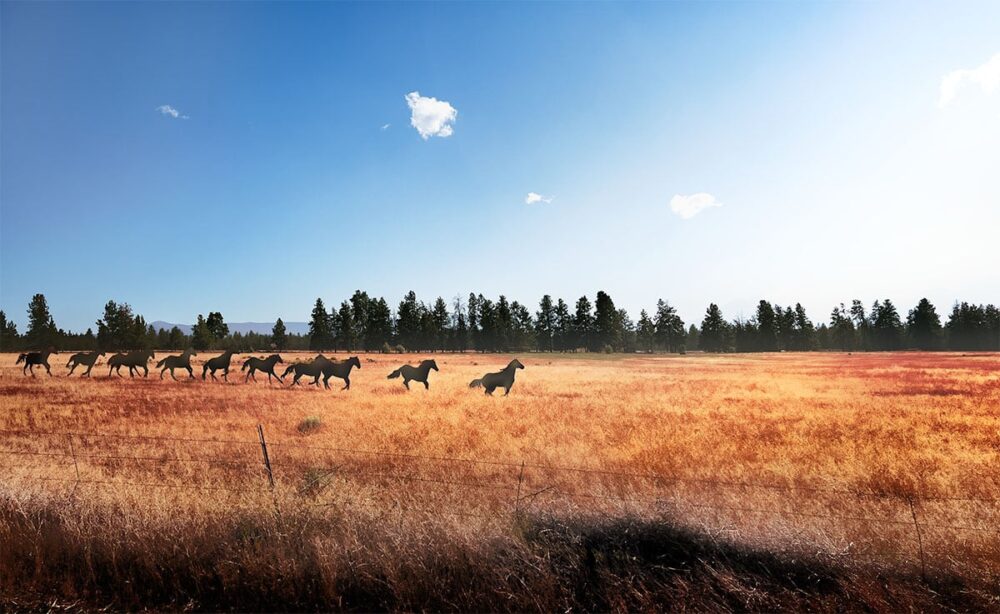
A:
[313,368]
[219,362]
[341,370]
[416,374]
[264,365]
[177,362]
[87,359]
[501,379]
[134,360]
[31,359]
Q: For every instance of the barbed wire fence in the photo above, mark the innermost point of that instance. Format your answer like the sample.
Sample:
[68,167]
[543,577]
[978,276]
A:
[506,489]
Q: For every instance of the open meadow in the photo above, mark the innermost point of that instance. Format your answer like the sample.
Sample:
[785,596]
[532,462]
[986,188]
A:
[602,482]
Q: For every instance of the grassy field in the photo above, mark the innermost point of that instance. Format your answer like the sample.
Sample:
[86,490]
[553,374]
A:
[731,482]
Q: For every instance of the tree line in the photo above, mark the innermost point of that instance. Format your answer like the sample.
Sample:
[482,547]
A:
[479,323]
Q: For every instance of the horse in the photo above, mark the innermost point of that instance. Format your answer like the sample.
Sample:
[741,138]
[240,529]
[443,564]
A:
[265,365]
[417,374]
[134,360]
[88,359]
[312,369]
[219,362]
[30,359]
[501,379]
[339,369]
[177,362]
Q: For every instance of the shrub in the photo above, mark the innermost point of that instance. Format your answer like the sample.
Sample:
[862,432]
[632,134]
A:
[310,424]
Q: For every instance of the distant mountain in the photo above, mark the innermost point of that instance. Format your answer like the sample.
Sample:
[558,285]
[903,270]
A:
[264,328]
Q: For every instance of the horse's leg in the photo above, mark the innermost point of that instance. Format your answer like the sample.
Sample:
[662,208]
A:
[47,369]
[507,390]
[172,374]
[225,374]
[489,390]
[31,370]
[406,383]
[190,372]
[427,385]
[347,383]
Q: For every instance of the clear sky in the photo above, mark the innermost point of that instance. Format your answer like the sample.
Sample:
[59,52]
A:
[250,157]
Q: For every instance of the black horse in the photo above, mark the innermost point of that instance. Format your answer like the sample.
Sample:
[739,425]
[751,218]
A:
[313,369]
[219,362]
[134,360]
[88,359]
[339,369]
[177,362]
[30,359]
[265,365]
[417,374]
[501,379]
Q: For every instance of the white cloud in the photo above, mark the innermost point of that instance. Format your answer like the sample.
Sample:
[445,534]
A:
[689,206]
[430,116]
[166,109]
[385,127]
[987,77]
[534,197]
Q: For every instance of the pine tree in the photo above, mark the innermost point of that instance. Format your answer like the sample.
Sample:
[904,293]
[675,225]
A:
[217,326]
[320,333]
[8,334]
[607,325]
[924,325]
[42,332]
[714,330]
[201,335]
[563,332]
[347,334]
[441,319]
[669,327]
[279,335]
[583,324]
[645,332]
[545,324]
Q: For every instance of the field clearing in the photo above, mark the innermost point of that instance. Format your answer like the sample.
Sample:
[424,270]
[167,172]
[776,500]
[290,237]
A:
[859,462]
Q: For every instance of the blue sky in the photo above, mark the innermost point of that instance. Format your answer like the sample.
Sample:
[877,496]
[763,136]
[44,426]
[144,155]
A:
[249,157]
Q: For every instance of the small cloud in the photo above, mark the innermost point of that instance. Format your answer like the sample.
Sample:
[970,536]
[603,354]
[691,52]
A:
[166,109]
[385,127]
[430,116]
[534,197]
[987,77]
[689,206]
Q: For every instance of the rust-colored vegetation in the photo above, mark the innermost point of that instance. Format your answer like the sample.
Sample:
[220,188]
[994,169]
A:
[764,482]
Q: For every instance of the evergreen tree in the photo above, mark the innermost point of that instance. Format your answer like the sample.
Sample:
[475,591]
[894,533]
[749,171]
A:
[843,335]
[522,328]
[505,325]
[378,328]
[460,340]
[489,333]
[645,332]
[177,339]
[440,318]
[474,330]
[279,335]
[607,324]
[563,331]
[347,333]
[583,324]
[924,326]
[42,332]
[766,327]
[804,333]
[8,334]
[861,326]
[408,321]
[669,327]
[120,329]
[201,335]
[693,338]
[886,327]
[320,329]
[545,324]
[362,310]
[714,330]
[217,326]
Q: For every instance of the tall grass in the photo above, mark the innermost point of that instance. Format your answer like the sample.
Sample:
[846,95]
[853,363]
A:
[779,458]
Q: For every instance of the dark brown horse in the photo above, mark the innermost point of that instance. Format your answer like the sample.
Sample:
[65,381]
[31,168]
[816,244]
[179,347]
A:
[30,359]
[265,365]
[88,359]
[501,379]
[219,362]
[177,362]
[416,374]
[134,360]
[313,368]
[339,369]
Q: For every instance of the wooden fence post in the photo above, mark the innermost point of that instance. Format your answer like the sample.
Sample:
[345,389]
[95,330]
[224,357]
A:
[267,461]
[517,500]
[920,540]
[76,467]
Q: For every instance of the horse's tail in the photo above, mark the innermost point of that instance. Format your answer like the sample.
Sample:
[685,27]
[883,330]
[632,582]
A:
[21,358]
[395,373]
[160,364]
[288,370]
[476,383]
[204,370]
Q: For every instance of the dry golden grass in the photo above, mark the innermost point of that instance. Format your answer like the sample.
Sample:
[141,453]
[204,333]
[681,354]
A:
[812,465]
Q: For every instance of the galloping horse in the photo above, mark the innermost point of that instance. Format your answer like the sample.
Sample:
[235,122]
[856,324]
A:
[312,369]
[88,359]
[134,360]
[417,374]
[265,365]
[339,369]
[219,362]
[501,379]
[30,359]
[177,362]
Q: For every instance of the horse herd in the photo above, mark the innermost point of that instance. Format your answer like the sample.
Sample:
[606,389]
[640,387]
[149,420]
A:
[318,367]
